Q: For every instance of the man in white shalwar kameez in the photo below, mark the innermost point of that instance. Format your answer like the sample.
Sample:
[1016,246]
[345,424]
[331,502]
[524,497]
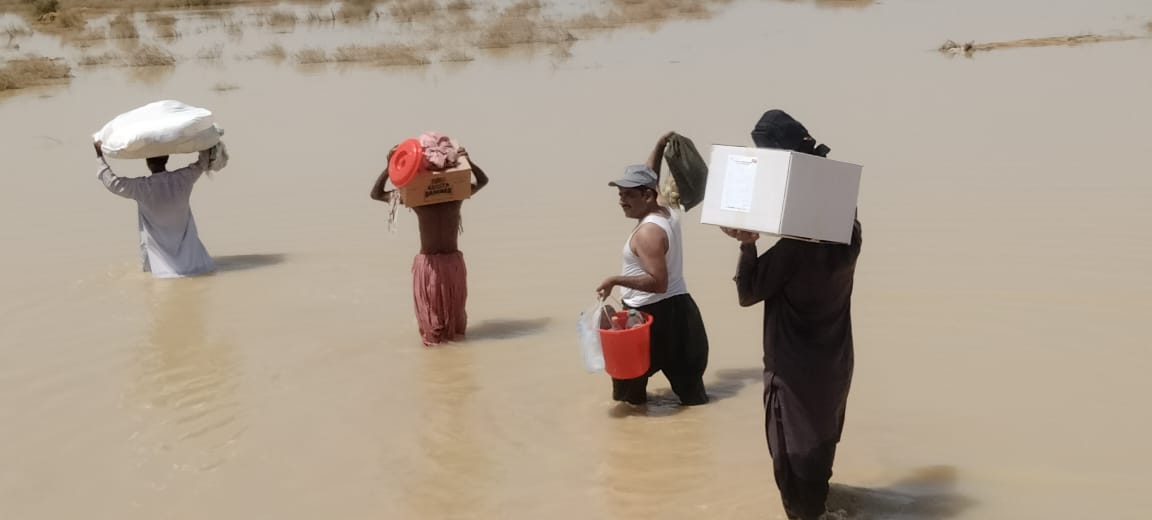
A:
[170,247]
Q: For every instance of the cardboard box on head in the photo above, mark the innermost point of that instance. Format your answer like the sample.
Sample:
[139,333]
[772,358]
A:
[429,187]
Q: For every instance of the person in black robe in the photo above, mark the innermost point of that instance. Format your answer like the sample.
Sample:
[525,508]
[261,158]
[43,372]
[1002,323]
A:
[806,289]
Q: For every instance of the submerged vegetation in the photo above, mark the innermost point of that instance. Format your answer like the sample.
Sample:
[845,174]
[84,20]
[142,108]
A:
[970,48]
[140,28]
[33,71]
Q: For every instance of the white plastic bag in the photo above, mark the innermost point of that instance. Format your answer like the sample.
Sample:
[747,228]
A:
[166,127]
[589,332]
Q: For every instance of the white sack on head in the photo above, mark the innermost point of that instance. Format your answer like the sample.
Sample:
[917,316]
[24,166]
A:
[166,127]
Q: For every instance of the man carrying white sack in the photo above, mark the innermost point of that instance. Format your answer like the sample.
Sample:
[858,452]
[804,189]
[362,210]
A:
[170,247]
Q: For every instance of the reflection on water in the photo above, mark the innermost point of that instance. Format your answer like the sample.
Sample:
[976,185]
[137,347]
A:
[455,472]
[186,383]
[657,466]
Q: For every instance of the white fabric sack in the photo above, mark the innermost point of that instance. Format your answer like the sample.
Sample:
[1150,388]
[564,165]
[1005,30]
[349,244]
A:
[166,127]
[589,330]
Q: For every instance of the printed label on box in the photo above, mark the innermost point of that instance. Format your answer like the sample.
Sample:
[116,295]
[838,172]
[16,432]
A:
[739,183]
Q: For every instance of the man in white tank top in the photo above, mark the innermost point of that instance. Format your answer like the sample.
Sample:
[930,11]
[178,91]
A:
[652,281]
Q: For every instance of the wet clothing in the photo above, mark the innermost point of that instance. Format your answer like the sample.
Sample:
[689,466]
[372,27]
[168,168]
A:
[440,294]
[806,289]
[674,259]
[679,348]
[678,341]
[170,246]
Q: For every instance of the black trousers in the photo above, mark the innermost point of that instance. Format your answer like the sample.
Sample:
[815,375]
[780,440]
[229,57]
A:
[679,348]
[802,475]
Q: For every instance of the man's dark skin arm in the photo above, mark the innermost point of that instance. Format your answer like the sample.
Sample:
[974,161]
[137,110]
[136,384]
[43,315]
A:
[378,192]
[481,177]
[656,159]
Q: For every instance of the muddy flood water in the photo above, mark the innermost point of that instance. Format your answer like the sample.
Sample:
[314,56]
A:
[1000,311]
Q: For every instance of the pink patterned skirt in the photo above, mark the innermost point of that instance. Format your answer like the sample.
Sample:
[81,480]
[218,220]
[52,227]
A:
[440,291]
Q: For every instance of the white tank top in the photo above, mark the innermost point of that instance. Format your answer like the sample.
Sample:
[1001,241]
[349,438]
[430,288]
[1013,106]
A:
[674,257]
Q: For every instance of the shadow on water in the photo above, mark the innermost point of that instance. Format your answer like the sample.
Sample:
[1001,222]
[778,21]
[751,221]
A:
[730,382]
[246,262]
[928,494]
[507,329]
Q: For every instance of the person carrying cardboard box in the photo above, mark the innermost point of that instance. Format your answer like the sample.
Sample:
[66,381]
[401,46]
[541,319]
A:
[652,280]
[439,275]
[806,289]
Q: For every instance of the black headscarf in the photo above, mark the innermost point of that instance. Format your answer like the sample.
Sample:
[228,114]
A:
[777,129]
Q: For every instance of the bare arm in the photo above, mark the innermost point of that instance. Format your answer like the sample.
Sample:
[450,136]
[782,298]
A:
[656,158]
[481,178]
[378,192]
[651,245]
[477,171]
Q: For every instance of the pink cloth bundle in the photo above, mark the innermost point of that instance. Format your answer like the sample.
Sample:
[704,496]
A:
[440,151]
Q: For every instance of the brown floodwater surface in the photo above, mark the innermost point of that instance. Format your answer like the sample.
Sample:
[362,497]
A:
[1000,311]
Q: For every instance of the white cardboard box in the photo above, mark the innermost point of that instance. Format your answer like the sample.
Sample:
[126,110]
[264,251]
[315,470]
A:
[781,192]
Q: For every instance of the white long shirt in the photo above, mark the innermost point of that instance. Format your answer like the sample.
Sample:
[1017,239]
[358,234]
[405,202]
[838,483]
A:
[170,247]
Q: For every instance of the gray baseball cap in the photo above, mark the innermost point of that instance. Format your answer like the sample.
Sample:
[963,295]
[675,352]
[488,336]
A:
[637,176]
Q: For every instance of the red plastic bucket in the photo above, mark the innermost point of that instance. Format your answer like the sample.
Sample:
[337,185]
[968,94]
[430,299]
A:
[406,162]
[627,351]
